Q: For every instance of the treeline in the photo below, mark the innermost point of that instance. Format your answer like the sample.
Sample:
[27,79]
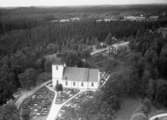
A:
[88,10]
[69,34]
[10,22]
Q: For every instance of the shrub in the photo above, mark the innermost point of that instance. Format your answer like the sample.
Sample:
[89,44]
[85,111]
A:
[25,114]
[147,103]
[9,112]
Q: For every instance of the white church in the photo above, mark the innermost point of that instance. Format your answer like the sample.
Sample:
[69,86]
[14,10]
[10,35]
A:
[75,77]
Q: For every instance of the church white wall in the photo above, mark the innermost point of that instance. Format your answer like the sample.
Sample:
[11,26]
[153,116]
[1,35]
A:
[99,78]
[57,74]
[78,84]
[95,85]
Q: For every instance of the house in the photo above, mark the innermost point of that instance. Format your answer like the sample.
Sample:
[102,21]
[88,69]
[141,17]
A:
[153,18]
[117,47]
[75,77]
[115,18]
[102,45]
[64,20]
[54,21]
[135,18]
[75,19]
[99,20]
[107,20]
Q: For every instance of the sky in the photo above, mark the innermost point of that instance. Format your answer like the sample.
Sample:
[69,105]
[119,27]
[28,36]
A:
[13,3]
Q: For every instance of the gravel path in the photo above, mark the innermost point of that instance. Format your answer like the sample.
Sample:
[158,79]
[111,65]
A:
[55,108]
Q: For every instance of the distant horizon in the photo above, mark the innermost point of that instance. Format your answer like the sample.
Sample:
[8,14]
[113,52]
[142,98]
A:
[77,6]
[77,3]
[42,6]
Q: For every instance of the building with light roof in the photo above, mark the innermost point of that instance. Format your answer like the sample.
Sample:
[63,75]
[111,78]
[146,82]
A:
[120,46]
[75,77]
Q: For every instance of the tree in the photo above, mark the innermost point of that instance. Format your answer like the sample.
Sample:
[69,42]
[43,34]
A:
[110,65]
[59,87]
[136,74]
[161,94]
[8,83]
[43,77]
[108,39]
[9,112]
[51,48]
[25,114]
[28,78]
[150,90]
[40,64]
[72,59]
[163,62]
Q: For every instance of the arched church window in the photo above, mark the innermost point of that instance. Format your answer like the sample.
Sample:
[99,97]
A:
[66,83]
[56,67]
[57,82]
[66,78]
[73,83]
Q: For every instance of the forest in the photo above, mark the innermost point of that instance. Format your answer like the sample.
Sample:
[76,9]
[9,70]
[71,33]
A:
[26,40]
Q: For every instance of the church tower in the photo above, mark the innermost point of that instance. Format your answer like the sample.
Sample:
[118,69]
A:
[57,73]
